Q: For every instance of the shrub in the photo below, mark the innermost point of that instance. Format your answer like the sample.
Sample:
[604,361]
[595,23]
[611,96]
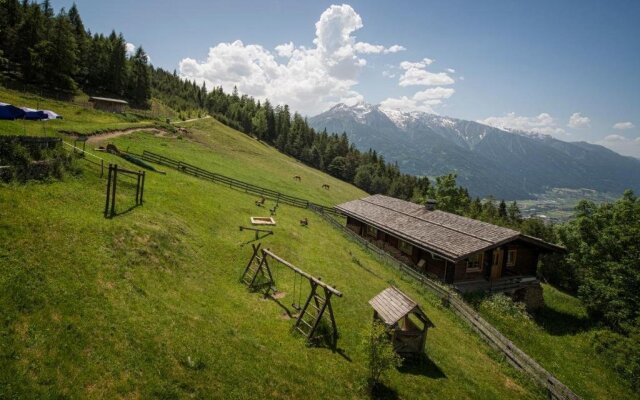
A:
[622,352]
[503,306]
[380,355]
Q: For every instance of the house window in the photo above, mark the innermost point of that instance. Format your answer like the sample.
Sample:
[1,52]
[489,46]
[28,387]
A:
[511,258]
[474,263]
[371,231]
[405,247]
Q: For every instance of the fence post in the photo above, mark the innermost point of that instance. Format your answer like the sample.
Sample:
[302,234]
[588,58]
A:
[106,205]
[142,187]
[113,188]
[138,189]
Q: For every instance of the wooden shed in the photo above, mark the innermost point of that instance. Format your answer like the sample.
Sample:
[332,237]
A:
[471,255]
[407,323]
[107,104]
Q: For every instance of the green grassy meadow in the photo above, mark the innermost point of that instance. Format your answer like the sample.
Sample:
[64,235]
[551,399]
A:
[74,118]
[148,304]
[560,338]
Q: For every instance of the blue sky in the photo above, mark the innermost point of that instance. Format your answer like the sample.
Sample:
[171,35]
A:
[521,65]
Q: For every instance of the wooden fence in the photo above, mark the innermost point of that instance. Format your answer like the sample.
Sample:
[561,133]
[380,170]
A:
[516,357]
[231,182]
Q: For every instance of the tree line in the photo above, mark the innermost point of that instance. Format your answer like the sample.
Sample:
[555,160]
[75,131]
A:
[56,52]
[602,267]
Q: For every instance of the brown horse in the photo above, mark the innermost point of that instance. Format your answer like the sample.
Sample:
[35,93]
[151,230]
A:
[297,178]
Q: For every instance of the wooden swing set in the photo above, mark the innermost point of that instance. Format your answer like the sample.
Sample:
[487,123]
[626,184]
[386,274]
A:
[258,275]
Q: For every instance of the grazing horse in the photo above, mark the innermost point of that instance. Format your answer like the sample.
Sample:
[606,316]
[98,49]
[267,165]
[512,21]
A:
[297,178]
[325,186]
[260,202]
[304,222]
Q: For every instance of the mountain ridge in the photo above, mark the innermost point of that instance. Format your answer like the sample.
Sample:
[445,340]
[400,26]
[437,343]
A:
[509,164]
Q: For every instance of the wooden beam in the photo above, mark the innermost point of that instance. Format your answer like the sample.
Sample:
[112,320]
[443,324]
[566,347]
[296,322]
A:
[301,272]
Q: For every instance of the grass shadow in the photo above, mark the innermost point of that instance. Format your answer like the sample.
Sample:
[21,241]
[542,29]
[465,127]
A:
[560,323]
[383,392]
[421,365]
[123,212]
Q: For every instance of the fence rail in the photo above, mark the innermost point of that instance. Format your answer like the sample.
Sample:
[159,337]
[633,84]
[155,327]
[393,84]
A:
[516,357]
[231,182]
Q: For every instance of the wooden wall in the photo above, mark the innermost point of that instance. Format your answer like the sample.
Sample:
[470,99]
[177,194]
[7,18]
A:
[526,259]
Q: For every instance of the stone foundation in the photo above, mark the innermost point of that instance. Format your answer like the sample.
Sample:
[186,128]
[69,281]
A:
[531,296]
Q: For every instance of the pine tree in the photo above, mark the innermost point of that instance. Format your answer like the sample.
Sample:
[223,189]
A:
[139,88]
[502,210]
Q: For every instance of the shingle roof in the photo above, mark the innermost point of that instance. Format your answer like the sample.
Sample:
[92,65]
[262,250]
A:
[392,305]
[449,235]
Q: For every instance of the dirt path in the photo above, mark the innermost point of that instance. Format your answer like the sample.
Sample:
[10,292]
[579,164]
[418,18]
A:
[113,134]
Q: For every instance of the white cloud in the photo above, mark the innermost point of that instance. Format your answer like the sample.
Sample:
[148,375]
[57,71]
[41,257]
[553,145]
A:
[130,49]
[310,80]
[395,48]
[368,48]
[416,74]
[623,125]
[622,144]
[614,138]
[388,74]
[421,101]
[451,70]
[421,77]
[543,123]
[285,49]
[578,120]
[419,65]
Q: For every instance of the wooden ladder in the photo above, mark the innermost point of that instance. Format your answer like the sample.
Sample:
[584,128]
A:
[257,267]
[312,313]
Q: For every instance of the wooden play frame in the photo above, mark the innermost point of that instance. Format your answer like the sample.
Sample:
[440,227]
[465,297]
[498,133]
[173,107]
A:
[257,275]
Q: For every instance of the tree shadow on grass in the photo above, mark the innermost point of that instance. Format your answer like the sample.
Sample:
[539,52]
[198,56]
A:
[421,365]
[382,391]
[559,323]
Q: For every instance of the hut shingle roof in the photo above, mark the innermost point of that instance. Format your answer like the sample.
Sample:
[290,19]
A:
[448,235]
[392,305]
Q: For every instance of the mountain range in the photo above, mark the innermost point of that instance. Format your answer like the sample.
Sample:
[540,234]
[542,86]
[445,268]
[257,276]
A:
[487,160]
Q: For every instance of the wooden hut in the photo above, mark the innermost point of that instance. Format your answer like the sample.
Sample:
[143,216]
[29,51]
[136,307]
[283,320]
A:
[107,104]
[468,254]
[406,322]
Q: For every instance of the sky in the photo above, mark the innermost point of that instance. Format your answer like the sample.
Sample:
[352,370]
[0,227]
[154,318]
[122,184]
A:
[570,69]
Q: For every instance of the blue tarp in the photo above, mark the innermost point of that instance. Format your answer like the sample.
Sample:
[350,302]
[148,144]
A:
[7,111]
[30,113]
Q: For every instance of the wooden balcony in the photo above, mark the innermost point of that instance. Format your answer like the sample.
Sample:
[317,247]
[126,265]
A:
[504,284]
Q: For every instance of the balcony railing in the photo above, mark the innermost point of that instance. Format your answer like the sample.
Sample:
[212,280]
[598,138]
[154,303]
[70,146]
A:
[504,284]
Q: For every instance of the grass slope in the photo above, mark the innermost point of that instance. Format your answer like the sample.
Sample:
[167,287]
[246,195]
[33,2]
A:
[148,304]
[560,338]
[75,118]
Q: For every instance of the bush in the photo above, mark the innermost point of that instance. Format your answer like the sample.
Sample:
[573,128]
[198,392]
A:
[33,162]
[622,352]
[380,355]
[503,306]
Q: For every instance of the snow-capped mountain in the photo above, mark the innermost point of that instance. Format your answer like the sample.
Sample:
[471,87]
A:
[488,160]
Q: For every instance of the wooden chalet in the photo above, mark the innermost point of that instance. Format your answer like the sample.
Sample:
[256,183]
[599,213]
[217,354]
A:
[470,255]
[107,104]
[406,322]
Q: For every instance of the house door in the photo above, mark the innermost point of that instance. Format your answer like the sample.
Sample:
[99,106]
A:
[496,265]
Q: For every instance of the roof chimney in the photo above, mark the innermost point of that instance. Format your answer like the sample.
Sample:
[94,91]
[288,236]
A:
[430,204]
